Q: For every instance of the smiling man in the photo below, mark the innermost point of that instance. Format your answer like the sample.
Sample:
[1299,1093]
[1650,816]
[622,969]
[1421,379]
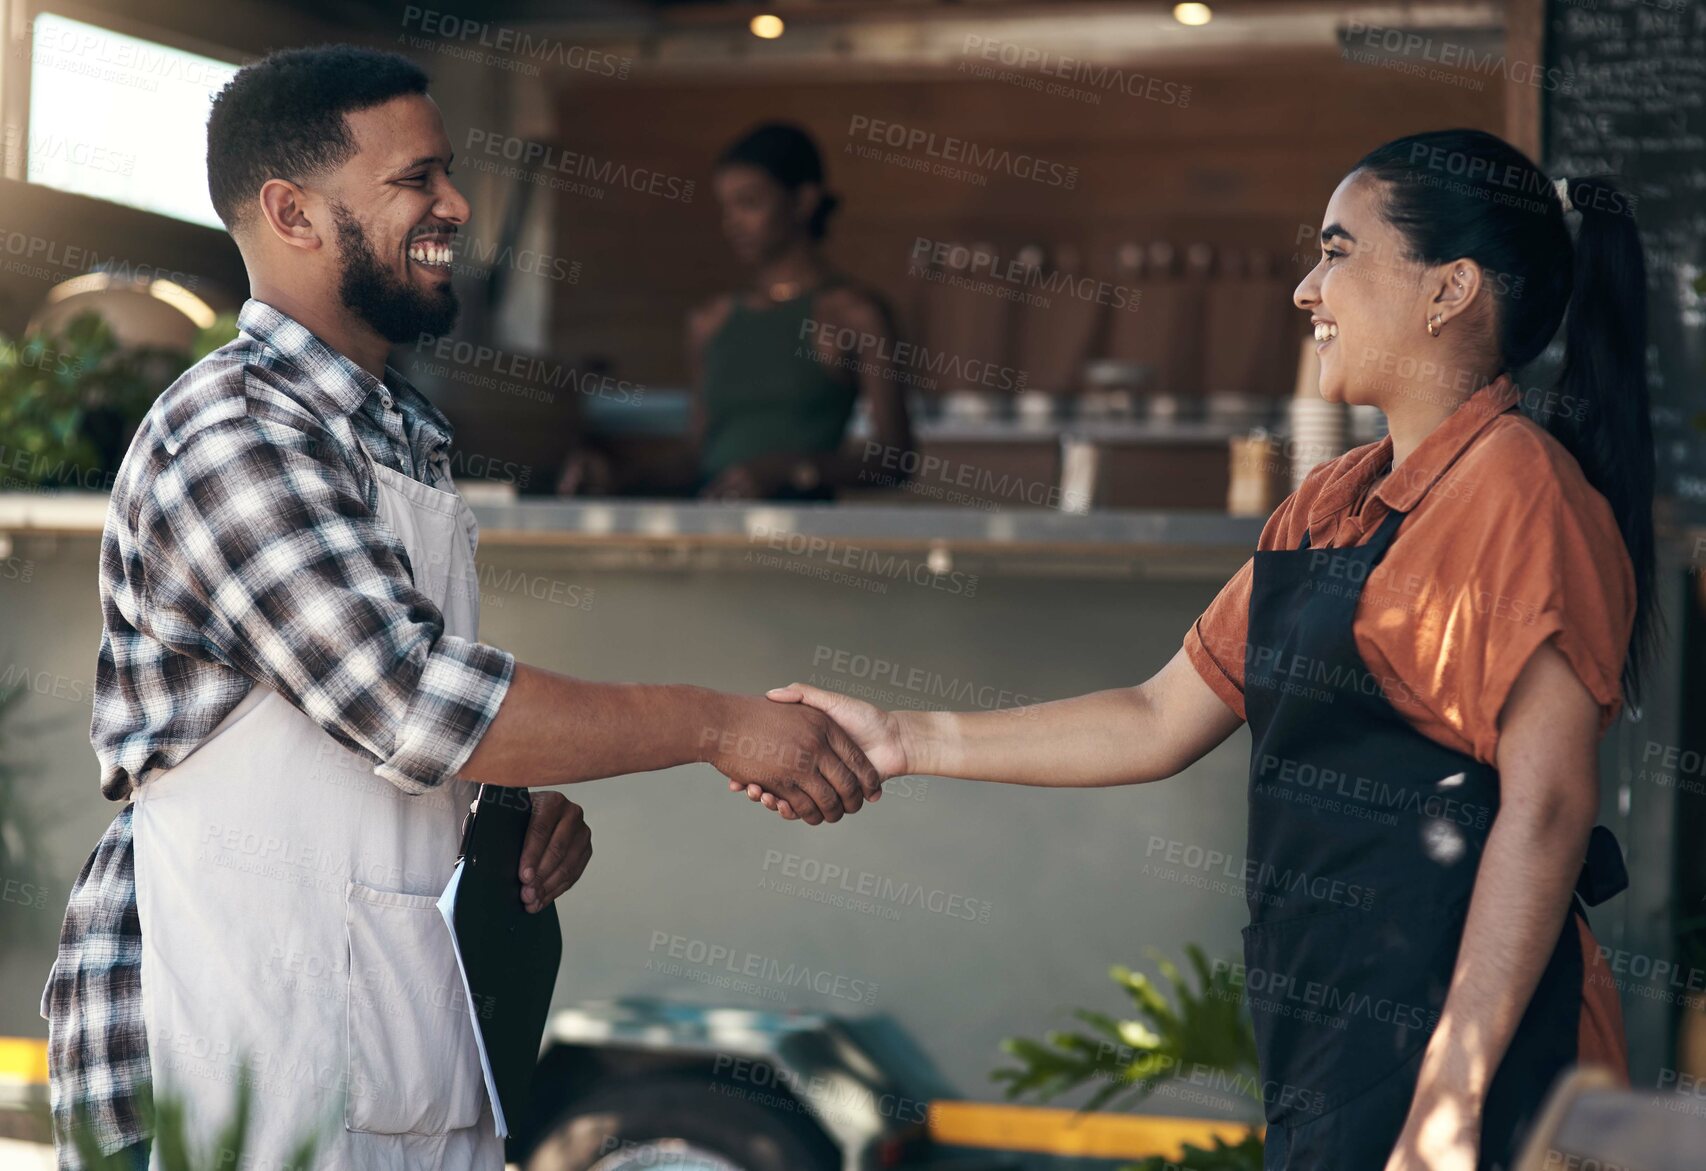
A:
[291,694]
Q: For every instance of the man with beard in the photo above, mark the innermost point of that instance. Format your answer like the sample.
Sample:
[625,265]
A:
[291,695]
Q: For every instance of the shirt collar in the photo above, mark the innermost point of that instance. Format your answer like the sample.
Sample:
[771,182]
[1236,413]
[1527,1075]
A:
[339,382]
[1432,459]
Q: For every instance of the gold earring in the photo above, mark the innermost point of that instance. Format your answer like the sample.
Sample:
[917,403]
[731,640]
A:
[1434,323]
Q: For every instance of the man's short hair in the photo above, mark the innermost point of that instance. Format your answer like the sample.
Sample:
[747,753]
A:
[283,118]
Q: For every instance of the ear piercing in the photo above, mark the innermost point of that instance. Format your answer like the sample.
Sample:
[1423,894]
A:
[1438,319]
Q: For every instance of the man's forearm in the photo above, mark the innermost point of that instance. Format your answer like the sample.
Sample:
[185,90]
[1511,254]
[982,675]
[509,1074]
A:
[554,730]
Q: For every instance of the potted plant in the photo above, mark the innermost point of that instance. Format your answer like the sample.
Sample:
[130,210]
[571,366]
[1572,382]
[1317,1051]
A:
[1128,1058]
[172,1147]
[71,400]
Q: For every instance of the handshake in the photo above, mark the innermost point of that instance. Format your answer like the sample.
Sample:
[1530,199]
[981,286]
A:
[804,753]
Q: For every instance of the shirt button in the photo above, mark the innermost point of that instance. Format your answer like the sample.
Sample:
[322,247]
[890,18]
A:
[386,399]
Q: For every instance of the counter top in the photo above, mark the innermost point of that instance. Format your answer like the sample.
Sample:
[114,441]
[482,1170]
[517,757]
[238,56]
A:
[542,520]
[719,534]
[909,526]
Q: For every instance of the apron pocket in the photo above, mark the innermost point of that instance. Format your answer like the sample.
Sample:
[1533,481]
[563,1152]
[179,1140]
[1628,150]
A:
[414,1066]
[1342,999]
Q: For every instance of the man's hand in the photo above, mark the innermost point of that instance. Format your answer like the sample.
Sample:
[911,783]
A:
[876,732]
[792,754]
[558,847]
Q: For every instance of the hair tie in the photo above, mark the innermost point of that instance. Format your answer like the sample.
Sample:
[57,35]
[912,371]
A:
[1562,187]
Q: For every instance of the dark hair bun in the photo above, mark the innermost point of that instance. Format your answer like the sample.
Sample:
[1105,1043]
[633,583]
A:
[789,155]
[783,150]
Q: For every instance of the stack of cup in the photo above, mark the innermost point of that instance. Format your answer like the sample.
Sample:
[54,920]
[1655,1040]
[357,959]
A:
[1258,477]
[1317,426]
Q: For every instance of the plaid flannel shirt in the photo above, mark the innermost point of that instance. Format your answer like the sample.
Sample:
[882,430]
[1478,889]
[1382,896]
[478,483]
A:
[243,545]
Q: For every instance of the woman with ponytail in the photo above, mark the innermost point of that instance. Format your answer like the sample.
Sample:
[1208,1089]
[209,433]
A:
[779,363]
[1432,636]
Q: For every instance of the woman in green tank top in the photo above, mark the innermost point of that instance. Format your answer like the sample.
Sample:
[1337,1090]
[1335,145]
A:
[779,365]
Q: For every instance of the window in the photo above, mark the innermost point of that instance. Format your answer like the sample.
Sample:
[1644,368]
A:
[121,118]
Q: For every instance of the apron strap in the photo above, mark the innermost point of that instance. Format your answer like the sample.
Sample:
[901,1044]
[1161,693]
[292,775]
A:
[1383,536]
[1376,544]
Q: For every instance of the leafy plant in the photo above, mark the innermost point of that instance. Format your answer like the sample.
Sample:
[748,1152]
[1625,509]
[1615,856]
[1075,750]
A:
[1244,1155]
[210,338]
[172,1145]
[70,400]
[1204,1028]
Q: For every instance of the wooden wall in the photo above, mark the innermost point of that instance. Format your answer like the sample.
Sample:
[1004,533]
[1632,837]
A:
[1249,160]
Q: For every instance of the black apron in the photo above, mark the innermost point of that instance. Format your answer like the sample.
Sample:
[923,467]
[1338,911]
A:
[1364,841]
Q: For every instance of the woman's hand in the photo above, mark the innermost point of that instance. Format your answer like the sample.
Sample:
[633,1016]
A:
[876,732]
[557,849]
[756,479]
[1442,1133]
[586,472]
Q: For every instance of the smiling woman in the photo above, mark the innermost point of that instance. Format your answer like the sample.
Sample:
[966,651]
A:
[1433,634]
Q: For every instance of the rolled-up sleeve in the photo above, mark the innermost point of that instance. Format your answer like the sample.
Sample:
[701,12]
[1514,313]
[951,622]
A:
[1215,642]
[260,551]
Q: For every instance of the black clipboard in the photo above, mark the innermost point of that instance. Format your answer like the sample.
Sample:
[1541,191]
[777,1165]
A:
[509,957]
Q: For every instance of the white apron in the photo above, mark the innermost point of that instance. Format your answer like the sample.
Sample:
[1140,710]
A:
[290,927]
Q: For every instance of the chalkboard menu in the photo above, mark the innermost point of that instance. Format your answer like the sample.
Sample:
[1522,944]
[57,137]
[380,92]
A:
[1630,99]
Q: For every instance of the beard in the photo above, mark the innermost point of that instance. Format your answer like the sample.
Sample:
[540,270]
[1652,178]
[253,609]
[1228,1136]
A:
[397,310]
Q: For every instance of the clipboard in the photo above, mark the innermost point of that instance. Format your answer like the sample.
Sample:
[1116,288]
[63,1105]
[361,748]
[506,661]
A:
[508,957]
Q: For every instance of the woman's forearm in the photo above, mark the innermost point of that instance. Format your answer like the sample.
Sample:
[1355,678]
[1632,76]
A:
[1125,736]
[1522,895]
[1549,796]
[1086,741]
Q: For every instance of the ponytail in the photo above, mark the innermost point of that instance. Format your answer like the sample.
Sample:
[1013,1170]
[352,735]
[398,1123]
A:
[1605,368]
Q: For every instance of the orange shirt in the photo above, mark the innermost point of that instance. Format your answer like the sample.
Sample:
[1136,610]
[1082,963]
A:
[1506,546]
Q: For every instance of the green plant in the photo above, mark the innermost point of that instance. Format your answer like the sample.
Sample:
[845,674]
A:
[166,1119]
[1244,1155]
[211,337]
[70,400]
[1205,1029]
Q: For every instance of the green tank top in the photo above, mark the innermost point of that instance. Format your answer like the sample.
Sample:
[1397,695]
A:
[766,388]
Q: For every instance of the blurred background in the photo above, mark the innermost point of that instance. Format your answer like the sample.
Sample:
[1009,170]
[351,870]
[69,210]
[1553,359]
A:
[1080,224]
